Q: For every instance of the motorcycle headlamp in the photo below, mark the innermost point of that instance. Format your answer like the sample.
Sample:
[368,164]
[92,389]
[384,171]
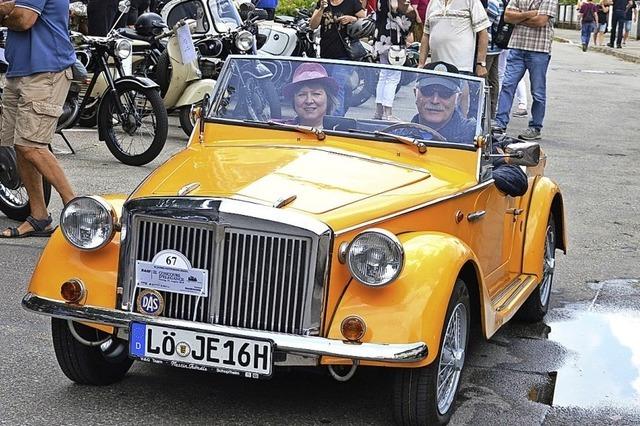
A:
[88,223]
[244,40]
[375,257]
[123,48]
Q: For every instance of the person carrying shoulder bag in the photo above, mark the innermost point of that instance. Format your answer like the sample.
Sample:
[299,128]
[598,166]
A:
[333,16]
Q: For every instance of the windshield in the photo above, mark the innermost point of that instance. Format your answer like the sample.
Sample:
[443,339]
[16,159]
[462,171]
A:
[351,97]
[223,11]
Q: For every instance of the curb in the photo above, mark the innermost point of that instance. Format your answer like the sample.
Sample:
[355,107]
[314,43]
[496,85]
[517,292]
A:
[601,49]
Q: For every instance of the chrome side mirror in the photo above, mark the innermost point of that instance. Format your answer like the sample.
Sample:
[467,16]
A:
[523,153]
[123,6]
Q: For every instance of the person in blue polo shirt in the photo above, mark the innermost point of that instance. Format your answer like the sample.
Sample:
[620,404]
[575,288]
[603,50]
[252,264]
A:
[39,74]
[270,6]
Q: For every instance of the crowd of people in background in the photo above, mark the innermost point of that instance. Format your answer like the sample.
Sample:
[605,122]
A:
[594,19]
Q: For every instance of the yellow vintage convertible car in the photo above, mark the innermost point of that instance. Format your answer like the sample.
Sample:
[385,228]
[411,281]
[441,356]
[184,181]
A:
[298,230]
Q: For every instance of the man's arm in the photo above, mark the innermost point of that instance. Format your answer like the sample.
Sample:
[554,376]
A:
[536,22]
[513,16]
[19,18]
[424,50]
[316,17]
[481,53]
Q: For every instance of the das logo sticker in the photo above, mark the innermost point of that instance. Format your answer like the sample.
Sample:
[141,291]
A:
[150,302]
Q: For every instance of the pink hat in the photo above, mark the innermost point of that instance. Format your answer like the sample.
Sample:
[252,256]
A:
[310,72]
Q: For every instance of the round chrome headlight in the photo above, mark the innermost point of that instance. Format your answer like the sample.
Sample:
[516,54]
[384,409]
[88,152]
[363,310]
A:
[88,223]
[244,40]
[123,48]
[375,257]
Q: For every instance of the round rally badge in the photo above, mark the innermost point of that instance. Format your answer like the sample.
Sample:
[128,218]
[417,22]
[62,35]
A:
[150,302]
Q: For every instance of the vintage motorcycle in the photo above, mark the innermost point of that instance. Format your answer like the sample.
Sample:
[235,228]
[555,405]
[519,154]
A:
[181,84]
[290,36]
[130,115]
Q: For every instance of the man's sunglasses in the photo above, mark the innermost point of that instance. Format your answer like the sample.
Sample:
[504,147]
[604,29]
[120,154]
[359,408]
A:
[443,92]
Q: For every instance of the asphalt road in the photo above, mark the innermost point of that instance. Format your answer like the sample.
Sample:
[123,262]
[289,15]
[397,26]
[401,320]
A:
[591,139]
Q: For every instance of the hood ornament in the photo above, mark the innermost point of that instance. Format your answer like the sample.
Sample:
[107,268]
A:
[187,189]
[283,201]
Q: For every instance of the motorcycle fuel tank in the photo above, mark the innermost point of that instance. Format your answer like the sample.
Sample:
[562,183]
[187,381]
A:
[281,41]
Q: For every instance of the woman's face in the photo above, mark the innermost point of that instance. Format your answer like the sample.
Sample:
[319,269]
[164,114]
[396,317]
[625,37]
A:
[310,103]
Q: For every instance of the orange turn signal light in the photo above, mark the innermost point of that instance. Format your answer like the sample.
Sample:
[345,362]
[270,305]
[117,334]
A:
[353,328]
[73,290]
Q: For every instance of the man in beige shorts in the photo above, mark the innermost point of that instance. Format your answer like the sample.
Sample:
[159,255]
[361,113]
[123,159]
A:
[40,55]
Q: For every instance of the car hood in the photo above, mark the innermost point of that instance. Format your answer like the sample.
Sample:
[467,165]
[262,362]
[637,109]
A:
[316,180]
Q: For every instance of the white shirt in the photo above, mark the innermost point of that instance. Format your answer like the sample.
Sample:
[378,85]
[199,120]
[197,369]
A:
[452,26]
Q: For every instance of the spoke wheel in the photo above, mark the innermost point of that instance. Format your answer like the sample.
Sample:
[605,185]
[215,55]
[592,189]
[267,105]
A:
[452,358]
[14,200]
[426,395]
[537,305]
[137,135]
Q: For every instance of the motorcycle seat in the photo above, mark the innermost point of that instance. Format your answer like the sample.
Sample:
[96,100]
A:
[284,19]
[131,33]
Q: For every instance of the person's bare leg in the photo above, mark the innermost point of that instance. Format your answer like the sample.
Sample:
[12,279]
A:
[33,164]
[45,162]
[32,181]
[379,112]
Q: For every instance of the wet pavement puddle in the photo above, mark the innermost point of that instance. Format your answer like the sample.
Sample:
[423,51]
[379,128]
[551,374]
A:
[603,364]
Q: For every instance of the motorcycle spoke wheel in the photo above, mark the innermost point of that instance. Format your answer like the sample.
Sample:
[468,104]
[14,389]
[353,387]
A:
[138,135]
[134,134]
[16,198]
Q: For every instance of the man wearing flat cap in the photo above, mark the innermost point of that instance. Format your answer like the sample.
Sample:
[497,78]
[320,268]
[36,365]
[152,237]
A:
[437,100]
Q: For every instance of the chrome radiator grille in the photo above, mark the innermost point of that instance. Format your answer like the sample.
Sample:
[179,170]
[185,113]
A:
[264,280]
[258,279]
[195,242]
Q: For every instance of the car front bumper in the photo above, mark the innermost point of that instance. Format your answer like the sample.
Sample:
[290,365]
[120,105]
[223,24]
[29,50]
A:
[311,345]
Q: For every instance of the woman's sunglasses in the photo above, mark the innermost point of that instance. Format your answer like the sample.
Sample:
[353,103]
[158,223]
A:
[443,92]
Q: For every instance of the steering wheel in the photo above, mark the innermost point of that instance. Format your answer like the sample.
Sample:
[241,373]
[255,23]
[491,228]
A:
[435,135]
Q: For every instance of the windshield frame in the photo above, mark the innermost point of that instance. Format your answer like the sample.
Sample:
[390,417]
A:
[225,75]
[217,22]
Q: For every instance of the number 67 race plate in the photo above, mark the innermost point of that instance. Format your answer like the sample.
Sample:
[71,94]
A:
[197,350]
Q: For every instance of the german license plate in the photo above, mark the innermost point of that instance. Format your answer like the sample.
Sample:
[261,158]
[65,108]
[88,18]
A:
[195,350]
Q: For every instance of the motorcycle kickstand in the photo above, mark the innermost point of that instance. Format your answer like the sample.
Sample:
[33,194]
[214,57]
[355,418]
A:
[64,138]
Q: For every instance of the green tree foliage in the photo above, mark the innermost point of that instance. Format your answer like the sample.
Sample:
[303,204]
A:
[288,7]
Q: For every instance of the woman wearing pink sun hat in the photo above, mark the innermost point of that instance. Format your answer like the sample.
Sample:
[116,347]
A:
[312,93]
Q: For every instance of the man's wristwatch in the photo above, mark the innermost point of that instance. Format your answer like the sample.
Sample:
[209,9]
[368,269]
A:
[481,63]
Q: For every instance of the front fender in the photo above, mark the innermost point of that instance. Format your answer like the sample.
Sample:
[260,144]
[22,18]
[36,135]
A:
[98,270]
[195,92]
[412,308]
[545,199]
[142,82]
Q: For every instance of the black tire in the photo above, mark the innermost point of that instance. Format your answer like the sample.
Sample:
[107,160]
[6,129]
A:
[258,97]
[368,79]
[89,117]
[186,120]
[89,365]
[537,304]
[14,202]
[415,400]
[162,72]
[149,109]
